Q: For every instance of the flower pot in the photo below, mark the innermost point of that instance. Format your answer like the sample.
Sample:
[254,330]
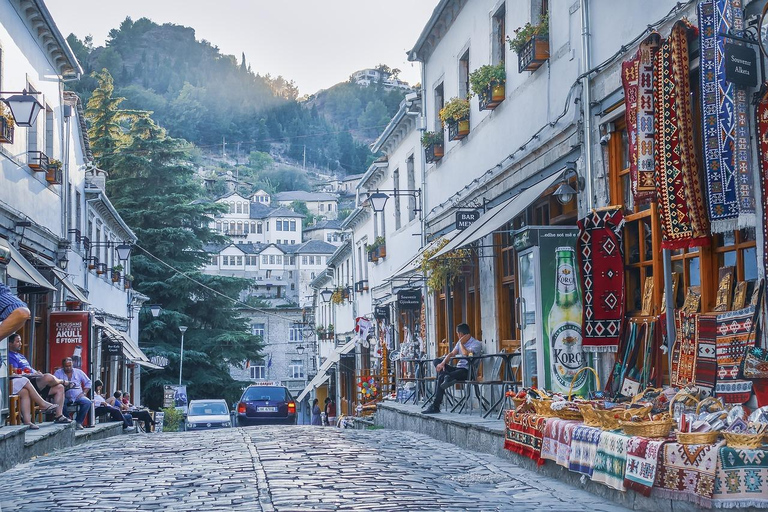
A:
[434,152]
[382,251]
[492,97]
[6,131]
[457,130]
[533,54]
[38,161]
[115,277]
[53,175]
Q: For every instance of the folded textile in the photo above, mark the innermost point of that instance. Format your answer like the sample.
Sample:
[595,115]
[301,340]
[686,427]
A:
[741,478]
[556,441]
[706,360]
[584,443]
[642,460]
[611,460]
[687,472]
[523,434]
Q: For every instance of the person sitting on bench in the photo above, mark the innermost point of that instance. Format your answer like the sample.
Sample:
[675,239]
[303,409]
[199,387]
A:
[448,375]
[77,397]
[102,407]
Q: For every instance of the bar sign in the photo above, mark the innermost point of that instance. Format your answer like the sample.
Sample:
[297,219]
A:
[465,218]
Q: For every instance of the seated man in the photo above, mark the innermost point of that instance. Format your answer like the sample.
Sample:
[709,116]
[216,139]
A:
[140,415]
[77,396]
[13,312]
[102,407]
[448,375]
[46,384]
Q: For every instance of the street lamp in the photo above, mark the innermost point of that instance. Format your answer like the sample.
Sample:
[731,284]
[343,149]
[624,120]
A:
[565,192]
[155,309]
[24,107]
[123,252]
[378,199]
[326,295]
[300,350]
[183,329]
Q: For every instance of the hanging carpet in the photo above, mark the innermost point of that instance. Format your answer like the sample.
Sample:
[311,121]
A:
[761,118]
[706,360]
[735,334]
[681,208]
[601,257]
[724,119]
[685,350]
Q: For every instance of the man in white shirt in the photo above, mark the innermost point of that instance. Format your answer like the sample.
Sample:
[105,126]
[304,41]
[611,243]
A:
[77,396]
[448,375]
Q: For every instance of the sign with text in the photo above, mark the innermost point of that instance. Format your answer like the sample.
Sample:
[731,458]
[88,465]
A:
[112,347]
[740,65]
[381,313]
[409,299]
[68,336]
[465,218]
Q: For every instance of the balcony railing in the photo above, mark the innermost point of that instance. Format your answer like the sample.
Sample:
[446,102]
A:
[533,54]
[38,161]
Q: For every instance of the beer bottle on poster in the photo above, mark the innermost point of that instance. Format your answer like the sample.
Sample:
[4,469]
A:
[77,356]
[564,322]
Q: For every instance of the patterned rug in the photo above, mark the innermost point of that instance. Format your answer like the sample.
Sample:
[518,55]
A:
[637,79]
[761,118]
[584,449]
[556,442]
[611,460]
[685,351]
[601,256]
[734,336]
[724,123]
[642,460]
[524,433]
[706,360]
[741,479]
[681,208]
[687,472]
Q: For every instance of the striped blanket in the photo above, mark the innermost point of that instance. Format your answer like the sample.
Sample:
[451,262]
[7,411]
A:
[584,443]
[556,443]
[611,460]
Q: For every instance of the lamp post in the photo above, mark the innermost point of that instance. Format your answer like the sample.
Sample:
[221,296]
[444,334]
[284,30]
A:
[183,329]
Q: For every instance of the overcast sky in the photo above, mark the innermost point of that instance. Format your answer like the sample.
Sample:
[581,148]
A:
[316,43]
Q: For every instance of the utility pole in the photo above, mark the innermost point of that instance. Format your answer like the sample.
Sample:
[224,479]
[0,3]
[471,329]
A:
[305,157]
[223,147]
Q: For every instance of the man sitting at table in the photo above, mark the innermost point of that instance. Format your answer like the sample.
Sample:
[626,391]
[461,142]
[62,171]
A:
[77,397]
[447,375]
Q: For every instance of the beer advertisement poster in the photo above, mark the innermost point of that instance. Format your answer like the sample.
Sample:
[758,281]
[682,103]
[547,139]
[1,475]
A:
[561,312]
[68,336]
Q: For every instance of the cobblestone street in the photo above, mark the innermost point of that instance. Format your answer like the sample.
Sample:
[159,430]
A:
[282,468]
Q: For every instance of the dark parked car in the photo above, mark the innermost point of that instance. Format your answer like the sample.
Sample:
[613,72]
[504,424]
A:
[261,405]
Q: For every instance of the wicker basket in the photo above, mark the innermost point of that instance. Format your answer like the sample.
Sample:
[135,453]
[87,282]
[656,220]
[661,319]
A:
[638,397]
[542,404]
[698,437]
[590,414]
[656,428]
[609,418]
[569,413]
[707,401]
[734,440]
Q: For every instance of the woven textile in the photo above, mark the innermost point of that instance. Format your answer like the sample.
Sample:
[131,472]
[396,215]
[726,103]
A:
[681,208]
[761,118]
[687,472]
[637,79]
[611,460]
[706,360]
[724,121]
[584,443]
[685,350]
[642,460]
[556,441]
[734,336]
[601,257]
[524,433]
[741,479]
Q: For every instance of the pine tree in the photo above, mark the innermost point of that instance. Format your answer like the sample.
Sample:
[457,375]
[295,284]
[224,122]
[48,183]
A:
[153,187]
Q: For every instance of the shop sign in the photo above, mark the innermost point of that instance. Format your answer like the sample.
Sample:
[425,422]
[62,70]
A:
[740,65]
[112,348]
[68,337]
[381,313]
[465,218]
[409,299]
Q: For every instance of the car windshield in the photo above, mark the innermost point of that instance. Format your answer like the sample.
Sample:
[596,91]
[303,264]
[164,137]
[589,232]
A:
[275,394]
[210,408]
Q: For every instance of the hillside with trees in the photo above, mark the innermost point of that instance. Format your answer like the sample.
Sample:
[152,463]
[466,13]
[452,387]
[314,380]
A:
[207,98]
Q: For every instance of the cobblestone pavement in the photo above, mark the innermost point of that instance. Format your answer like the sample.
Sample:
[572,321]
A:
[282,469]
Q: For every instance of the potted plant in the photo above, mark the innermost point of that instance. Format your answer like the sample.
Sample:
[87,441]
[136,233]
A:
[455,114]
[53,173]
[127,281]
[116,272]
[444,269]
[338,295]
[373,253]
[320,332]
[101,268]
[93,263]
[487,82]
[381,246]
[6,125]
[434,145]
[531,43]
[329,331]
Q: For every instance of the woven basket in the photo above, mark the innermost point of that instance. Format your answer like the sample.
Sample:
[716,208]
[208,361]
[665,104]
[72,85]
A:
[638,397]
[590,414]
[609,418]
[698,437]
[569,413]
[518,402]
[707,401]
[542,404]
[734,440]
[660,428]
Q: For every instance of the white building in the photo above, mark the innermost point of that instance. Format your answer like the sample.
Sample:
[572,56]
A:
[321,204]
[326,231]
[366,77]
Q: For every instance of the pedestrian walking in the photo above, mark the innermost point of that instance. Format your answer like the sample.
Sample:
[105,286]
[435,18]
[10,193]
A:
[316,420]
[330,411]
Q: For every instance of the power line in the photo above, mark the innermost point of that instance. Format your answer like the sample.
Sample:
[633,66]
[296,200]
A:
[234,301]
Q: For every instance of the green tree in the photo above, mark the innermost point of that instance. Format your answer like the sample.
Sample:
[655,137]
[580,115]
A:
[153,187]
[301,207]
[374,118]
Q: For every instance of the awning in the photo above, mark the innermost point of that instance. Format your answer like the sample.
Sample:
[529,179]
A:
[322,372]
[493,219]
[415,262]
[22,270]
[147,364]
[131,349]
[69,285]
